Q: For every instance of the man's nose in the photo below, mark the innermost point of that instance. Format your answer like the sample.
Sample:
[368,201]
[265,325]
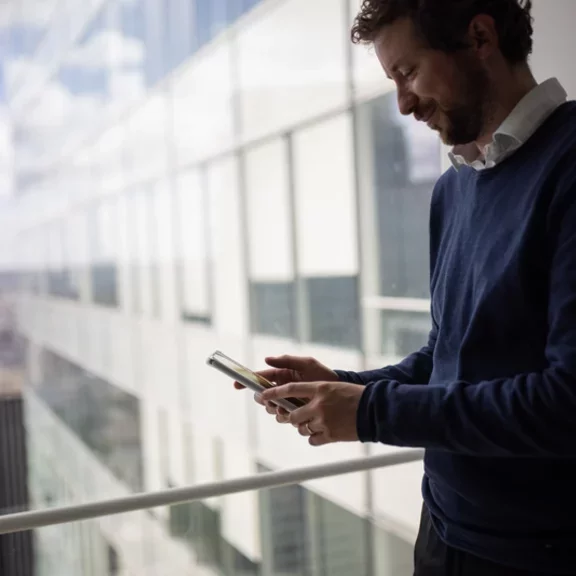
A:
[407,102]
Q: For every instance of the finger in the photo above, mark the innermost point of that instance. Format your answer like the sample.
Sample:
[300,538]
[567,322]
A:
[277,376]
[303,430]
[319,440]
[270,374]
[298,363]
[239,386]
[284,413]
[303,415]
[271,408]
[292,390]
[282,418]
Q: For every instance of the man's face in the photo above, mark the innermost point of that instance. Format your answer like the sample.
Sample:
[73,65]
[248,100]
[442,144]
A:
[450,92]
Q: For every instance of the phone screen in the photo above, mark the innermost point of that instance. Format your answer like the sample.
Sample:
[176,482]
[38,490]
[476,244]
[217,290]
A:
[236,367]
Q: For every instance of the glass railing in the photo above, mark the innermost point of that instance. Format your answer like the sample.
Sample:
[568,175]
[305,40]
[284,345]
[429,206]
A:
[296,531]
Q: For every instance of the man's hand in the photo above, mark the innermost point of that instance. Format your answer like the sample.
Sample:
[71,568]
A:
[285,369]
[330,414]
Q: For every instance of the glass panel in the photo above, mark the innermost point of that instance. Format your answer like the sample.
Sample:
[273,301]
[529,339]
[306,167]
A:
[334,310]
[272,305]
[327,246]
[104,417]
[194,247]
[283,82]
[400,162]
[128,74]
[104,270]
[182,185]
[394,555]
[304,535]
[181,40]
[342,540]
[270,237]
[202,106]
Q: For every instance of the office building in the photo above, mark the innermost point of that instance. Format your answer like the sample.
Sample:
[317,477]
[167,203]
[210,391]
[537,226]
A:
[201,175]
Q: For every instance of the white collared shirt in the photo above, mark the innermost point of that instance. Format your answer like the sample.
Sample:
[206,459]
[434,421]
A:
[528,115]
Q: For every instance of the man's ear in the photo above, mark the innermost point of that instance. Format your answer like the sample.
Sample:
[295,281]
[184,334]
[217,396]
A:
[482,35]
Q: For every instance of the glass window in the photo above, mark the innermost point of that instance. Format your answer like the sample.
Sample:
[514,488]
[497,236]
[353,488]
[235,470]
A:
[146,145]
[104,263]
[304,534]
[203,21]
[193,262]
[114,566]
[76,251]
[326,229]
[55,259]
[394,556]
[210,18]
[333,305]
[234,563]
[400,162]
[179,32]
[110,148]
[162,208]
[272,285]
[154,30]
[285,80]
[341,539]
[369,79]
[202,106]
[229,285]
[272,308]
[28,21]
[61,281]
[199,526]
[82,83]
[128,55]
[141,237]
[104,417]
[286,542]
[40,258]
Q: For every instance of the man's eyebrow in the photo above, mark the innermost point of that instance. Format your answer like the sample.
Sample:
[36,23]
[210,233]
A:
[393,70]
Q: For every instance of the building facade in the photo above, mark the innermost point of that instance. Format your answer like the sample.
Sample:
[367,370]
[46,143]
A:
[201,175]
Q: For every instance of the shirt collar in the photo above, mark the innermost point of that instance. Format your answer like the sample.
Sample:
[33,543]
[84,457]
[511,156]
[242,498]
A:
[528,115]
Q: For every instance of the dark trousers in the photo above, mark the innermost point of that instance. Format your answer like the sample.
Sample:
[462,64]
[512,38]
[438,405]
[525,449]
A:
[434,558]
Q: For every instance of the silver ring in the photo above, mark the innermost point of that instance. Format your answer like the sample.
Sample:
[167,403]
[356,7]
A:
[310,431]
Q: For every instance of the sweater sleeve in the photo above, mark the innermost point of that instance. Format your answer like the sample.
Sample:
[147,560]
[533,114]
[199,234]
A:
[416,368]
[528,415]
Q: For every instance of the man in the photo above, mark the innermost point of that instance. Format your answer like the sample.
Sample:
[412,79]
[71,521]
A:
[492,396]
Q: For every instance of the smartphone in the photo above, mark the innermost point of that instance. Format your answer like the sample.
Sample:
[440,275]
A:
[250,379]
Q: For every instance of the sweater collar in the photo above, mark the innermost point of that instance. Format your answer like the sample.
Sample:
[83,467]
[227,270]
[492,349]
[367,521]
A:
[528,115]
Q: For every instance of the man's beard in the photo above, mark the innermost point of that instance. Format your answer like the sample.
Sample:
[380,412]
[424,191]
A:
[466,122]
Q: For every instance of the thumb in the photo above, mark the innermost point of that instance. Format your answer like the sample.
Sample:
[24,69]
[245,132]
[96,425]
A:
[297,363]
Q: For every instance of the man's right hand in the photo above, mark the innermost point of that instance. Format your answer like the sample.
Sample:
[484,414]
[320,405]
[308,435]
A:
[287,369]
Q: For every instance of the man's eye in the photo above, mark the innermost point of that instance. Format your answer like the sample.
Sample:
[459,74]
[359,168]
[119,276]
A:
[409,73]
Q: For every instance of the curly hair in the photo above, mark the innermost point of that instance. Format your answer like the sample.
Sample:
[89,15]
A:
[443,24]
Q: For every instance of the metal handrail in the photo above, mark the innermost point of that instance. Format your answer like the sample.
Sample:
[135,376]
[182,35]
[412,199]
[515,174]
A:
[54,516]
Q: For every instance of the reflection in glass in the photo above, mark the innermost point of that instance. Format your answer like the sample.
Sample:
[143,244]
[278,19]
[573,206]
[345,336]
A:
[400,163]
[104,261]
[333,305]
[272,306]
[104,417]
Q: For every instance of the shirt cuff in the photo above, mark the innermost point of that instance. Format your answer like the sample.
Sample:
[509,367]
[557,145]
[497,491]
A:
[365,421]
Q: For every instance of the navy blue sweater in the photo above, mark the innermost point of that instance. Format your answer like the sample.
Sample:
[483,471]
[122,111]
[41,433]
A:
[492,397]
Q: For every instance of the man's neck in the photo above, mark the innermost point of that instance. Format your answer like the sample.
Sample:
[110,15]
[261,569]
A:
[508,91]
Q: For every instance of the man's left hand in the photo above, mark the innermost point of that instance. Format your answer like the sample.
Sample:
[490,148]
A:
[330,413]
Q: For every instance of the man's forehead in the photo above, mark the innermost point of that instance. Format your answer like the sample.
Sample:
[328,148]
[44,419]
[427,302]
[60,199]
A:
[397,42]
